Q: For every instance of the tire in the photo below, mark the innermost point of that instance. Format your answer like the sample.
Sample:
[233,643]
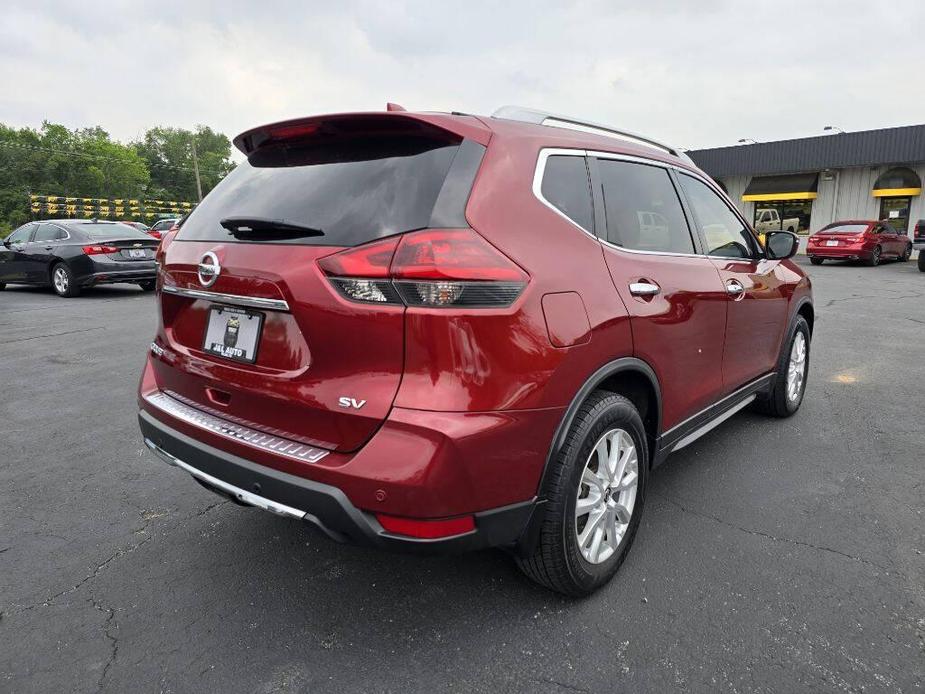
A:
[2,286]
[874,259]
[147,286]
[779,402]
[560,560]
[62,281]
[922,260]
[816,261]
[906,254]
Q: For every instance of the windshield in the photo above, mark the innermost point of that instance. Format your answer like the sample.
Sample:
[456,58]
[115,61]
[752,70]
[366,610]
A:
[353,191]
[99,230]
[845,229]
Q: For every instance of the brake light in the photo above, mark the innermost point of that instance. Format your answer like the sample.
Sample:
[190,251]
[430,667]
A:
[445,268]
[154,233]
[98,250]
[426,529]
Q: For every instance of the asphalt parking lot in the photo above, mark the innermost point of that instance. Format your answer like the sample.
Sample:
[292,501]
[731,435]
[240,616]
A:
[773,555]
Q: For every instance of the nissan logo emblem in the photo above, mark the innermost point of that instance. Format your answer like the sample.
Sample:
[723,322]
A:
[209,269]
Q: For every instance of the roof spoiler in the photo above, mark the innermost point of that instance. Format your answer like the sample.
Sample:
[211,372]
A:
[390,122]
[529,115]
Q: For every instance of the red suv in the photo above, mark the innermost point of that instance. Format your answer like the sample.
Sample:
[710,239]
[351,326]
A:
[865,240]
[445,332]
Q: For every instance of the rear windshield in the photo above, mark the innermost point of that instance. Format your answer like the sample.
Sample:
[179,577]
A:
[99,230]
[352,190]
[845,229]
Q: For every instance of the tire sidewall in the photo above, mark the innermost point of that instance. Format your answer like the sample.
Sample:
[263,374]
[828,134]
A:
[620,413]
[799,326]
[70,279]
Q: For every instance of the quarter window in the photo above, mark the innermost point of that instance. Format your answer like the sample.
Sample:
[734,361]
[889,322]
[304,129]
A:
[642,207]
[724,233]
[566,187]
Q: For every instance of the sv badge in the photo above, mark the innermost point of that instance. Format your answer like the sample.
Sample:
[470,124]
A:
[350,402]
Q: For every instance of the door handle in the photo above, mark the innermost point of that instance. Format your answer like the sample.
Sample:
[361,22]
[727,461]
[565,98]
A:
[644,289]
[48,248]
[734,287]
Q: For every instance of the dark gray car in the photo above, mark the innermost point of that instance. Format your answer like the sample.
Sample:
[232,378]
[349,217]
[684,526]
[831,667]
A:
[72,254]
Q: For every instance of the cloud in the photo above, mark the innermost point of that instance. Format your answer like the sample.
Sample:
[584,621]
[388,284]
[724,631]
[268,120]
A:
[692,73]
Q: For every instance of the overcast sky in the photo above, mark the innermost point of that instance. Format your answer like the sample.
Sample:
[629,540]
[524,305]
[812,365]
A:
[696,74]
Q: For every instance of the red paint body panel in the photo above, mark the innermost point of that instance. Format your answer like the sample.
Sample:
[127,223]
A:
[858,246]
[460,406]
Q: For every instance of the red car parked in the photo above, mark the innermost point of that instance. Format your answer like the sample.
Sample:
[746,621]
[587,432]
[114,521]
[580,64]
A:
[865,240]
[444,332]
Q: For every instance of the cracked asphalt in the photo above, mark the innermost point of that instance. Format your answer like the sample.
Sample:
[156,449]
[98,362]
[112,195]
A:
[773,555]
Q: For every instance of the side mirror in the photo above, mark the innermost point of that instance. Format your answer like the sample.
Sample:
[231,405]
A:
[780,245]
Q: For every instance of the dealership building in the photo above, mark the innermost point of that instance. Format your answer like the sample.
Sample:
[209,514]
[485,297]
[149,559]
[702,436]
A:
[873,174]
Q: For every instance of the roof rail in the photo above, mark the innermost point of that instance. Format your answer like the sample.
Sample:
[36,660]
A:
[529,115]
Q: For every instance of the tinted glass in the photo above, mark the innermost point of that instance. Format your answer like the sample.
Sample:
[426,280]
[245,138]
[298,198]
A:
[353,190]
[724,233]
[47,232]
[565,185]
[163,225]
[845,229]
[21,235]
[109,230]
[643,209]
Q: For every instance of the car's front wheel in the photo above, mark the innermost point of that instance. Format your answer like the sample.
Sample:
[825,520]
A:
[62,279]
[907,253]
[595,491]
[786,395]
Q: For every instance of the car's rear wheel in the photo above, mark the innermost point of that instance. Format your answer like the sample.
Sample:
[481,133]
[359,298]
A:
[816,261]
[786,395]
[907,253]
[147,286]
[62,280]
[874,259]
[595,491]
[2,286]
[922,260]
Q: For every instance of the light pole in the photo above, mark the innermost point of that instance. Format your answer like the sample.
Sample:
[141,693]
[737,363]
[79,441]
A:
[196,166]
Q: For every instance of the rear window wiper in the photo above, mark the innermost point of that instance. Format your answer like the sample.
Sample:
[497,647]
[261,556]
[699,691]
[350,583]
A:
[268,229]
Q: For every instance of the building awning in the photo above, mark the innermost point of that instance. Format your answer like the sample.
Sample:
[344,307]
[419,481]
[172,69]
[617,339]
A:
[788,187]
[900,182]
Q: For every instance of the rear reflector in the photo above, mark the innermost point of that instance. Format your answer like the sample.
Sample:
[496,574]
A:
[97,250]
[427,529]
[444,268]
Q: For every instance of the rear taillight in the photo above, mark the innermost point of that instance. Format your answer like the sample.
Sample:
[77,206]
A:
[152,232]
[98,250]
[449,268]
[920,231]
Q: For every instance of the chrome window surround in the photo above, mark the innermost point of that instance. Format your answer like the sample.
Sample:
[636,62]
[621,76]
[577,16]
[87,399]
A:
[540,171]
[236,432]
[235,299]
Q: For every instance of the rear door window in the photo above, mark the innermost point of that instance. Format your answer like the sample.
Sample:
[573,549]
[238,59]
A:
[353,190]
[567,188]
[48,232]
[642,207]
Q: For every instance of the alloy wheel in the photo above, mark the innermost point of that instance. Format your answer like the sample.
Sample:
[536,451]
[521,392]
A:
[61,280]
[606,495]
[796,370]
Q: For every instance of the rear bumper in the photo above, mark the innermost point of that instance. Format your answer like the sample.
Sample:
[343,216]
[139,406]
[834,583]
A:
[323,505]
[918,245]
[99,272]
[846,253]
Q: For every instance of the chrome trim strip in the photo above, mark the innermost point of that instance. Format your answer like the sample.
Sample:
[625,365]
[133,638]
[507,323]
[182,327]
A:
[236,299]
[713,423]
[235,432]
[540,171]
[241,495]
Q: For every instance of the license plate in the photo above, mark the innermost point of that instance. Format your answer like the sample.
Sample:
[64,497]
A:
[233,333]
[831,243]
[137,253]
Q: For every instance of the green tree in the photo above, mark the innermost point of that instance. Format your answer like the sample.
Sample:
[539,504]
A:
[168,153]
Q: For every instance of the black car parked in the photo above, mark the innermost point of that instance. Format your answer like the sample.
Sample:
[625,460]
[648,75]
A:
[71,254]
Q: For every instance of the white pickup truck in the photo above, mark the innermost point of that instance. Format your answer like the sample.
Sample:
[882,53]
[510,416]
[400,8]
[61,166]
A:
[768,219]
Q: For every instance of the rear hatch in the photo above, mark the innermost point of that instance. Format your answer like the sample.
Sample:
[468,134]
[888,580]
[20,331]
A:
[260,334]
